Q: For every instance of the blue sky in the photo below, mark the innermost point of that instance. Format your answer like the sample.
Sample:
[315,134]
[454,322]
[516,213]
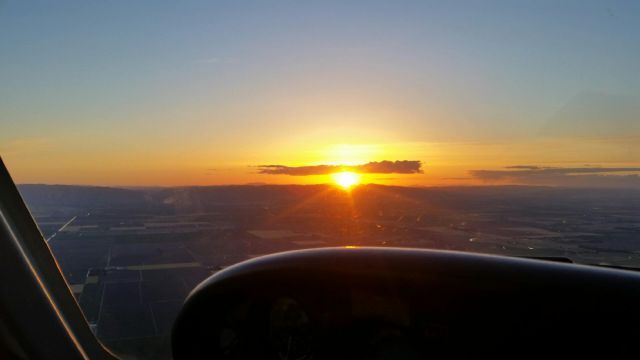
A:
[230,72]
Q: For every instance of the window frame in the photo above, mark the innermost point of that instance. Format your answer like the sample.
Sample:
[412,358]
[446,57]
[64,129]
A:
[39,316]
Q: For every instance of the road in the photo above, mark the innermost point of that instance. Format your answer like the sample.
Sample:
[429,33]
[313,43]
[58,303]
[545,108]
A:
[61,228]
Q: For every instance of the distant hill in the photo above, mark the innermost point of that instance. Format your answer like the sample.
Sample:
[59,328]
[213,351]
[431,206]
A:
[81,196]
[218,198]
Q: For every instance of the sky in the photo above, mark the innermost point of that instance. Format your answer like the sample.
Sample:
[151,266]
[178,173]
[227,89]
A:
[164,93]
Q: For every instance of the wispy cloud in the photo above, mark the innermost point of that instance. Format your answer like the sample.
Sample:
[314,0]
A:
[214,60]
[563,176]
[375,167]
[523,167]
[596,114]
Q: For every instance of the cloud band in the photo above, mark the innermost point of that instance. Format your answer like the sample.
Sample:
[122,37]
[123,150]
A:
[374,167]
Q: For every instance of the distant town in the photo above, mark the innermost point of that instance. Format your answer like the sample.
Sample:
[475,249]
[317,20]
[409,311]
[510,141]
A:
[131,256]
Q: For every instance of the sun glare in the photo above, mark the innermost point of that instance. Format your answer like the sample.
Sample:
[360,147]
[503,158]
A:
[346,179]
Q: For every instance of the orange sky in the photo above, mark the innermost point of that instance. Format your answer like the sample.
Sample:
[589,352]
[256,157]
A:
[443,163]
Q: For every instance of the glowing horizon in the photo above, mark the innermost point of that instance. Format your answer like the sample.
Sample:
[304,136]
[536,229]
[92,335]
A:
[346,179]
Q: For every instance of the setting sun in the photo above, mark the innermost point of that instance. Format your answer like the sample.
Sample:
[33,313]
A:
[346,179]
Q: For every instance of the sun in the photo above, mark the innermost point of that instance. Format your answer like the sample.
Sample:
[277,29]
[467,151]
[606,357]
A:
[346,179]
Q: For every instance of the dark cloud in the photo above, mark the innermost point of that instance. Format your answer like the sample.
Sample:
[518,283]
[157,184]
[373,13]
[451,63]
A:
[374,167]
[558,176]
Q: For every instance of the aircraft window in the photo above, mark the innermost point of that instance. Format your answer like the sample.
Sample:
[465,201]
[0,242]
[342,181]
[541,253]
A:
[156,143]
